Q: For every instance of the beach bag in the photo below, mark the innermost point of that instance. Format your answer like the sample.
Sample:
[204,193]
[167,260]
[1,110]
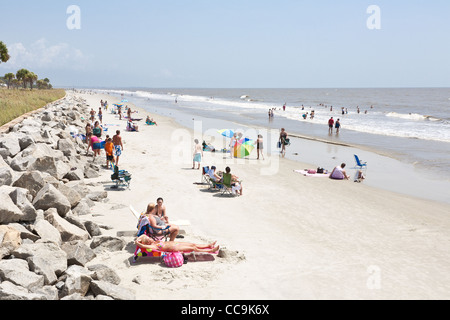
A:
[320,170]
[173,259]
[311,171]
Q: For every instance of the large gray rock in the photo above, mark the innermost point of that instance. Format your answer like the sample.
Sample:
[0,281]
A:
[78,280]
[72,195]
[104,273]
[21,198]
[46,258]
[49,197]
[9,240]
[18,272]
[6,176]
[54,167]
[10,291]
[67,147]
[111,290]
[9,212]
[67,230]
[33,181]
[47,232]
[107,243]
[78,253]
[10,142]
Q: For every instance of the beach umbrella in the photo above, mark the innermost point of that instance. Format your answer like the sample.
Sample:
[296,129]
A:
[118,105]
[244,148]
[124,100]
[227,133]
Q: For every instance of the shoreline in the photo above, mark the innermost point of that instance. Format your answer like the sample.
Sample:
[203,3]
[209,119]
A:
[288,237]
[302,237]
[384,165]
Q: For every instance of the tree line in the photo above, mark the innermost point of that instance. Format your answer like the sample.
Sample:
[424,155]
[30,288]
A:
[22,77]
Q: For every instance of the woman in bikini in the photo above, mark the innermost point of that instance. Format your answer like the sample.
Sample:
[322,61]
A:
[145,242]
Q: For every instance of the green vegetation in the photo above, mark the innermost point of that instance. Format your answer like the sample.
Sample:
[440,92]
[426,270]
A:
[4,56]
[14,103]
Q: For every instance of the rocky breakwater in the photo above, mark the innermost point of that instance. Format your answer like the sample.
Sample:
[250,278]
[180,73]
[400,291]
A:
[45,244]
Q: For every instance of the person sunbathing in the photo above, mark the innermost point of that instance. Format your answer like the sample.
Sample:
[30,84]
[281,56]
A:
[145,242]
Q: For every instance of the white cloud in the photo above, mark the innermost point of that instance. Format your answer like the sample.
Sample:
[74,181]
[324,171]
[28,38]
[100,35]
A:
[41,54]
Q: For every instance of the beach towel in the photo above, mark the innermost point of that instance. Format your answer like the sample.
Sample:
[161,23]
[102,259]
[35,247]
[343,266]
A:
[316,175]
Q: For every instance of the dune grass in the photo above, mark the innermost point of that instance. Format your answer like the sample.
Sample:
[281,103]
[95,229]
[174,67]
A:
[14,103]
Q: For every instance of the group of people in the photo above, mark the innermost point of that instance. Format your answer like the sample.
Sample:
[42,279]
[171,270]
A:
[156,219]
[217,177]
[332,123]
[113,146]
[339,173]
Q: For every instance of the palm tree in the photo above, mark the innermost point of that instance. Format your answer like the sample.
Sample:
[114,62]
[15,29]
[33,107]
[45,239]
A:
[4,56]
[31,77]
[8,78]
[21,75]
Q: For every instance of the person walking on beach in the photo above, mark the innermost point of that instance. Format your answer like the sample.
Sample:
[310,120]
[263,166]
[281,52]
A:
[330,125]
[232,145]
[260,146]
[283,141]
[92,113]
[198,154]
[100,115]
[118,146]
[338,125]
[109,150]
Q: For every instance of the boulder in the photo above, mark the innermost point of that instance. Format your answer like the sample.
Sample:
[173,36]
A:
[67,147]
[67,230]
[18,272]
[78,253]
[9,212]
[10,142]
[111,290]
[104,273]
[47,232]
[9,240]
[92,228]
[21,198]
[54,167]
[49,258]
[107,243]
[49,197]
[72,195]
[10,291]
[33,181]
[6,176]
[78,280]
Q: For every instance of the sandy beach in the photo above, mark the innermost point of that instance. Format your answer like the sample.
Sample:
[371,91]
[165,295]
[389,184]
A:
[289,236]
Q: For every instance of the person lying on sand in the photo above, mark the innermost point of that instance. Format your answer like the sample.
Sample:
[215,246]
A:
[145,242]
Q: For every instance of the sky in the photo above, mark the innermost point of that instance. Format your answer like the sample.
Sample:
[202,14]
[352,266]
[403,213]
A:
[229,43]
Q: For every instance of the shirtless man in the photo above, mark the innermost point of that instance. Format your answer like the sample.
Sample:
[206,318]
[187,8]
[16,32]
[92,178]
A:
[118,146]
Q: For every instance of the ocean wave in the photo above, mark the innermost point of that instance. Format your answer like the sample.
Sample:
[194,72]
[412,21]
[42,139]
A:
[412,116]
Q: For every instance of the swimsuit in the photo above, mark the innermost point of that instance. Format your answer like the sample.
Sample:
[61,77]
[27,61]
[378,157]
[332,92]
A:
[117,151]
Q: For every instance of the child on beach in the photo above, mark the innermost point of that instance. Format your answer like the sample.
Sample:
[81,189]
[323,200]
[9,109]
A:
[109,149]
[198,154]
[118,146]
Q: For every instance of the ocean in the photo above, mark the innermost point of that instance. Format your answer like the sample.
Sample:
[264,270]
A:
[411,125]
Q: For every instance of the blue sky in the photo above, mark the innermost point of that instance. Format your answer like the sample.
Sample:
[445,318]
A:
[230,43]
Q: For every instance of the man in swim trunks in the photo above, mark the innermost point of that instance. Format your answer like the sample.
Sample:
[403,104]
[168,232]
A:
[118,146]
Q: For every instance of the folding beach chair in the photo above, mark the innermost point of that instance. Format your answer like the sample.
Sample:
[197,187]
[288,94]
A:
[205,175]
[226,184]
[359,164]
[120,177]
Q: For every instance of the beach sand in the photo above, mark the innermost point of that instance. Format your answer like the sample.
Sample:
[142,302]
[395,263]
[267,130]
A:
[288,237]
